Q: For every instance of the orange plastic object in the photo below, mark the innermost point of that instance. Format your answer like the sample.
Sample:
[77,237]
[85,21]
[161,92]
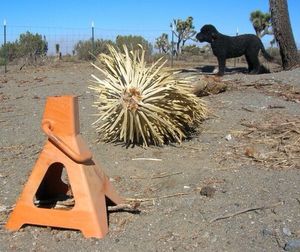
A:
[65,148]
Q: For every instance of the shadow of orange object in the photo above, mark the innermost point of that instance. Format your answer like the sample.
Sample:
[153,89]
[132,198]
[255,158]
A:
[65,148]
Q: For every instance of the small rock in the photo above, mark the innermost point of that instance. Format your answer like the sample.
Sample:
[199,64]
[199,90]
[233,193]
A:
[3,175]
[3,208]
[214,239]
[286,231]
[267,231]
[208,191]
[293,245]
[250,152]
[228,137]
[117,178]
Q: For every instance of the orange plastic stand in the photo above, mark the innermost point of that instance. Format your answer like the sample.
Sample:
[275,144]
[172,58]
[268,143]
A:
[65,148]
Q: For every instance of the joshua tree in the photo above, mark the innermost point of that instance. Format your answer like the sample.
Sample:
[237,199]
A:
[183,30]
[283,33]
[261,23]
[162,43]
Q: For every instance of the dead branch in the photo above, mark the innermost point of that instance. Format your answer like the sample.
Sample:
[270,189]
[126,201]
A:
[258,84]
[154,198]
[69,203]
[247,109]
[276,107]
[146,159]
[245,211]
[133,207]
[163,175]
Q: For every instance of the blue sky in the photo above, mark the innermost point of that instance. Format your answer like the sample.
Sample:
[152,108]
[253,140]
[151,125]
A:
[148,18]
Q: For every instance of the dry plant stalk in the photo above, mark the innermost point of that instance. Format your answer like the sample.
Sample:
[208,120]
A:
[140,104]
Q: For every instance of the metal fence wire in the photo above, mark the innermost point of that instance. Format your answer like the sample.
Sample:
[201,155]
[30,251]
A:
[68,37]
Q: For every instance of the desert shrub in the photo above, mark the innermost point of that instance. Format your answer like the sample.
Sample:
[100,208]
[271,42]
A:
[157,56]
[84,49]
[70,58]
[2,61]
[133,42]
[31,45]
[28,45]
[11,50]
[191,50]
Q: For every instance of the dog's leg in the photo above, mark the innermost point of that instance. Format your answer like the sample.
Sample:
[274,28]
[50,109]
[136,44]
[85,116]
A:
[256,66]
[253,61]
[250,66]
[222,64]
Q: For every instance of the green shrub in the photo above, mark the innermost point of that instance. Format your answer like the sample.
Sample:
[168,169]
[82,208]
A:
[31,45]
[133,42]
[28,45]
[2,61]
[84,49]
[191,50]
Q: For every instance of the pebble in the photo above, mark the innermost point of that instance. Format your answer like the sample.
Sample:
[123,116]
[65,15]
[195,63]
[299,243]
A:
[3,208]
[208,191]
[292,245]
[214,239]
[267,231]
[228,137]
[286,231]
[2,175]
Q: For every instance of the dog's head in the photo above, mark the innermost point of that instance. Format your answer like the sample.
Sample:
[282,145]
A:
[208,33]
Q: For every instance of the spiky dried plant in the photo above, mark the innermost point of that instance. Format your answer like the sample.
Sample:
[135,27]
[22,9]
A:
[141,104]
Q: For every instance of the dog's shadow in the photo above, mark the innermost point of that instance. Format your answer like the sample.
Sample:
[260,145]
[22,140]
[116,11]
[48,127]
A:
[210,70]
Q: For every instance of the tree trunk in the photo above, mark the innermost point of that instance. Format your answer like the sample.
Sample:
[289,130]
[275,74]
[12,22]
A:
[178,47]
[283,33]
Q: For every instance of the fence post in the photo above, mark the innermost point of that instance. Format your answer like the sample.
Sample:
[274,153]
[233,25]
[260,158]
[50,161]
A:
[93,38]
[5,49]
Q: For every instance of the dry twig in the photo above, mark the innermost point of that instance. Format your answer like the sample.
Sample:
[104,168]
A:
[154,198]
[69,203]
[258,84]
[146,159]
[245,211]
[162,175]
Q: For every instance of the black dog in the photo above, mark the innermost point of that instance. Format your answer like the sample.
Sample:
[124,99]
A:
[225,47]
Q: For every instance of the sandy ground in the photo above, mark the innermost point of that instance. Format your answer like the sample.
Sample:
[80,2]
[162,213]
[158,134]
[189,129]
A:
[244,160]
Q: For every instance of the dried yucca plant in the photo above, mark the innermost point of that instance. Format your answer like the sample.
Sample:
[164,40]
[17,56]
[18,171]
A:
[143,105]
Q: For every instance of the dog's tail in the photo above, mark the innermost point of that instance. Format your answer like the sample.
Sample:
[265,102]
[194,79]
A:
[265,53]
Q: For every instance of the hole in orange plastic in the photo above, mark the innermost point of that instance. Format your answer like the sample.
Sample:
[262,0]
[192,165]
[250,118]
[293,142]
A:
[55,190]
